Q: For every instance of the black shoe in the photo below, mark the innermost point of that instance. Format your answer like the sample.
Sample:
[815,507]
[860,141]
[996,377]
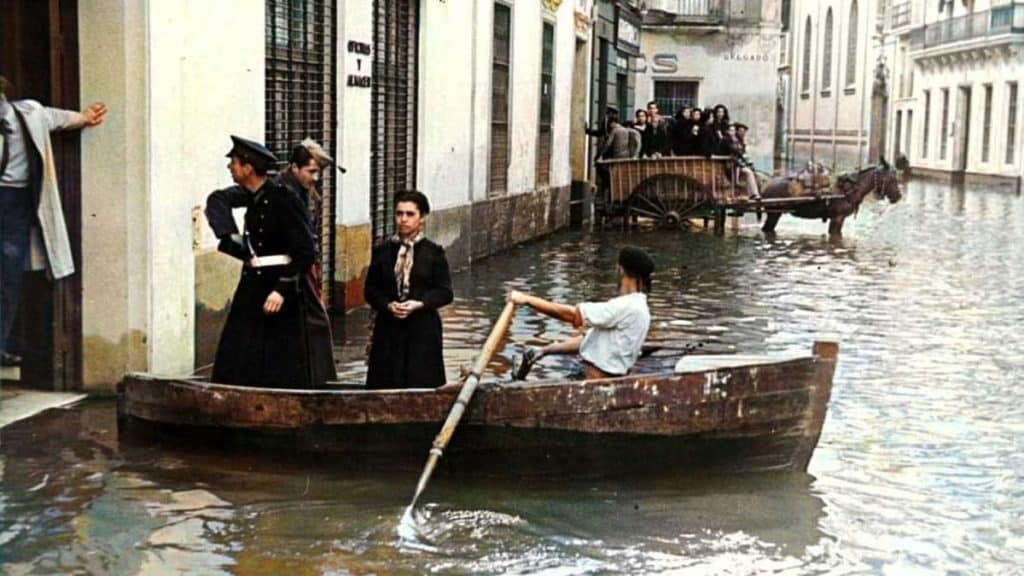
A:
[8,359]
[526,362]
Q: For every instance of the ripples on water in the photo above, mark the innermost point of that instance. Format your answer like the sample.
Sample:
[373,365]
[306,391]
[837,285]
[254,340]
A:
[918,469]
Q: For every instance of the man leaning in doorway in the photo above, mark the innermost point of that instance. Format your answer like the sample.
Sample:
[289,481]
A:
[32,229]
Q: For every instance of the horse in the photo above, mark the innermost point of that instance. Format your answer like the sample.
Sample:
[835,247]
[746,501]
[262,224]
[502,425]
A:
[854,186]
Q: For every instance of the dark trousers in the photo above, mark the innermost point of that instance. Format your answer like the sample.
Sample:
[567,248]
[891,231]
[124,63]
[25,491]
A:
[16,213]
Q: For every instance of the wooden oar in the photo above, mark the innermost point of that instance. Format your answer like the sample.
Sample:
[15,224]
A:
[468,387]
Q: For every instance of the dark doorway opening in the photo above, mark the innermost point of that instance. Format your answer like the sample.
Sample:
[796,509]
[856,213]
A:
[39,54]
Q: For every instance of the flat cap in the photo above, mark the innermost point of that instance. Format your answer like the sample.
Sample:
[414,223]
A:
[251,152]
[636,262]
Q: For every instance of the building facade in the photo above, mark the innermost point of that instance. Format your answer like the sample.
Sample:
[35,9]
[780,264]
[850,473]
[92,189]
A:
[958,73]
[834,75]
[466,101]
[708,52]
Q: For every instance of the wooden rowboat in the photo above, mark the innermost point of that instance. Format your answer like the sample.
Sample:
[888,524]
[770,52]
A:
[737,412]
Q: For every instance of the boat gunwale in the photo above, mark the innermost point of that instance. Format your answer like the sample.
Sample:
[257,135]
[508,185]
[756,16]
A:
[449,389]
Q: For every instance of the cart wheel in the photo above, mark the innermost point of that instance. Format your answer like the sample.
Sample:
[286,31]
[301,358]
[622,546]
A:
[665,200]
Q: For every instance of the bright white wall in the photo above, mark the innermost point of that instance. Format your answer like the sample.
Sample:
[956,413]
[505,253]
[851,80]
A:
[456,49]
[178,81]
[206,82]
[444,148]
[355,23]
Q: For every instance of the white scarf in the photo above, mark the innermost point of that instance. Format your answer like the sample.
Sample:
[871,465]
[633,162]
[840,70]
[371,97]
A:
[404,261]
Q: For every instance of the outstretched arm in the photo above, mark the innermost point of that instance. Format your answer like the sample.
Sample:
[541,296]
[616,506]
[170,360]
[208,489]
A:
[92,115]
[563,312]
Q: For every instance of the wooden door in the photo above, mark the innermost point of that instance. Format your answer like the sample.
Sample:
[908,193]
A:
[39,54]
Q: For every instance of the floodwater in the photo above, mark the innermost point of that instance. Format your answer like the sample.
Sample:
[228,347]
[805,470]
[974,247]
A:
[920,468]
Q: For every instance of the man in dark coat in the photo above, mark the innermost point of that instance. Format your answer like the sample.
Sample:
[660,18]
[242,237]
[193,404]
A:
[266,341]
[407,283]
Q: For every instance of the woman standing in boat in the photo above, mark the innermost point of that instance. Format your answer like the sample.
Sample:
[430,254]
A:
[407,283]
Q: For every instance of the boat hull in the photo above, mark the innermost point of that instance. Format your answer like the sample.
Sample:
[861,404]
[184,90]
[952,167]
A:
[762,415]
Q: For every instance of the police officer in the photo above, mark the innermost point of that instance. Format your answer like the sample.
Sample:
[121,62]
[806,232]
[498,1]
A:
[266,341]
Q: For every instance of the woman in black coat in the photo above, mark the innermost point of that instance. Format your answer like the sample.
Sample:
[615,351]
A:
[407,283]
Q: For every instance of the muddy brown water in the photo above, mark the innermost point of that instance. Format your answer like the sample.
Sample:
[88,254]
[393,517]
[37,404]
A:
[920,468]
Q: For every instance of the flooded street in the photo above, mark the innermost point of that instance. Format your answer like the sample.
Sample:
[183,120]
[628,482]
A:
[920,467]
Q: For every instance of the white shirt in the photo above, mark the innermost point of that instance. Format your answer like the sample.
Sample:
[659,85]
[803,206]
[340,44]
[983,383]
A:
[617,332]
[17,173]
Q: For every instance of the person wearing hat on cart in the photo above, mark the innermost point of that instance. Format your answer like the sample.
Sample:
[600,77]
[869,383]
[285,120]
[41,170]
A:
[615,330]
[266,339]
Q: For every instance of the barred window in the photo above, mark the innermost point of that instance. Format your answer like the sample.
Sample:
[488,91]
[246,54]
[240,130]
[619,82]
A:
[501,75]
[1011,124]
[927,122]
[300,97]
[393,109]
[547,98]
[805,73]
[986,135]
[944,128]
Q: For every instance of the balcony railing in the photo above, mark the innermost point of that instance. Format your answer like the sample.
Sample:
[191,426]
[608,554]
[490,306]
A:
[701,9]
[1000,20]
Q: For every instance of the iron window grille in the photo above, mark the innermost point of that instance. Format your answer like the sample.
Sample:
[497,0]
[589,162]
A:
[300,100]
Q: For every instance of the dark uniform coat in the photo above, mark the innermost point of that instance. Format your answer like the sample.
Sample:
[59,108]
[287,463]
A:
[407,353]
[270,350]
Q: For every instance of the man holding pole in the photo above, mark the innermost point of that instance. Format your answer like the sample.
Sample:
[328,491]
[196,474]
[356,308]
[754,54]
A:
[615,330]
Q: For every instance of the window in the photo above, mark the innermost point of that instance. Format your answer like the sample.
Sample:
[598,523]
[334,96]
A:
[826,56]
[910,131]
[851,47]
[300,97]
[673,95]
[805,75]
[392,109]
[547,97]
[500,84]
[944,128]
[927,122]
[786,10]
[986,136]
[896,136]
[1011,124]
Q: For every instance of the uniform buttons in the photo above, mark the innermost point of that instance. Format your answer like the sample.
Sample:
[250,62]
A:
[258,272]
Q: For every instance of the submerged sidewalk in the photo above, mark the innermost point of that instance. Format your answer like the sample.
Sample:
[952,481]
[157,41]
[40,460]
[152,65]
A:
[17,403]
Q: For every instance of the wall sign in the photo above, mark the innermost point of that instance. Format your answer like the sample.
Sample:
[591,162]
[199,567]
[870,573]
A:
[628,33]
[360,81]
[359,47]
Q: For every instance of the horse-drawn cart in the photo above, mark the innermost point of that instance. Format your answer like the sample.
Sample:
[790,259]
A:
[670,191]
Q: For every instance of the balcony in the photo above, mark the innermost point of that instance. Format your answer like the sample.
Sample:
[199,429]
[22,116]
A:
[689,9]
[1006,19]
[700,13]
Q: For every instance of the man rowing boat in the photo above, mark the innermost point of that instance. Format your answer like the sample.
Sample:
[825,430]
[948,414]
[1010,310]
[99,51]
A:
[615,330]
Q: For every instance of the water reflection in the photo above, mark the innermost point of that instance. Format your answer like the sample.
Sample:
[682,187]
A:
[919,467]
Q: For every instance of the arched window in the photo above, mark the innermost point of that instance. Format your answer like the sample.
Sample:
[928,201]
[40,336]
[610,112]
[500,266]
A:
[805,79]
[851,47]
[826,54]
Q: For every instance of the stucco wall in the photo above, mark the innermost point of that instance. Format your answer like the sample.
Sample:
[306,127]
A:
[178,82]
[737,69]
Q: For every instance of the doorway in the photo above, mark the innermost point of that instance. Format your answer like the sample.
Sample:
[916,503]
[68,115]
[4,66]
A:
[39,55]
[961,138]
